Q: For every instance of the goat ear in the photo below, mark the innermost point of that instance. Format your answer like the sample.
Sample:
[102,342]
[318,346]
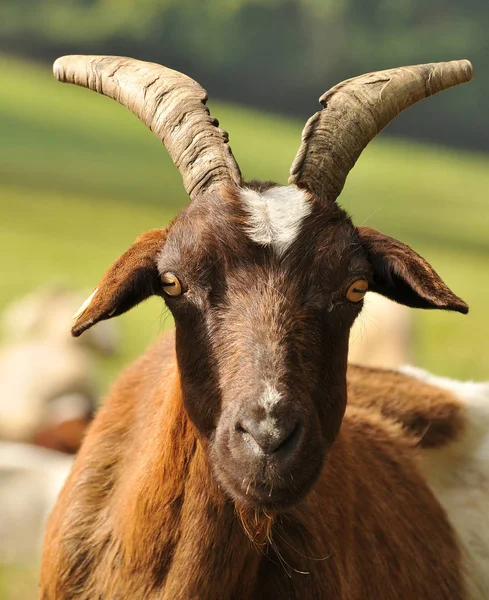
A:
[130,280]
[404,276]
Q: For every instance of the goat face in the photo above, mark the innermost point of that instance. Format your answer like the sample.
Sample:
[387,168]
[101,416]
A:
[264,281]
[262,333]
[259,282]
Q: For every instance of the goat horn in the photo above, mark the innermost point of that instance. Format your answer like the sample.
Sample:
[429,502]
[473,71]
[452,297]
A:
[355,111]
[171,104]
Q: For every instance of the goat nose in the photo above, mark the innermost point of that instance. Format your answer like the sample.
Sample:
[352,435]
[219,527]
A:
[267,434]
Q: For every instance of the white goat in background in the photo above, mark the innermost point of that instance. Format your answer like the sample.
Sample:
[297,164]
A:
[48,392]
[30,481]
[46,377]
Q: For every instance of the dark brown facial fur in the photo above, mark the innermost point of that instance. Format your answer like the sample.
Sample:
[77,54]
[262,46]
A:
[257,330]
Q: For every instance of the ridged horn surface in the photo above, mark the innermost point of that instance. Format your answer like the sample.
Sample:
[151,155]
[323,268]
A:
[171,104]
[355,111]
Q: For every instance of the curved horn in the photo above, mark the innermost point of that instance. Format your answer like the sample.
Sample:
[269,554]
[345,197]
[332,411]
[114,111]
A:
[171,104]
[355,111]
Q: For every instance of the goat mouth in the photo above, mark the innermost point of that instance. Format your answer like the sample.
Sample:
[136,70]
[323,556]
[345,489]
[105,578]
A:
[268,496]
[270,478]
[269,489]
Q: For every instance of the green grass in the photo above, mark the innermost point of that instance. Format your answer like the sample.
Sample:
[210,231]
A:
[80,178]
[18,582]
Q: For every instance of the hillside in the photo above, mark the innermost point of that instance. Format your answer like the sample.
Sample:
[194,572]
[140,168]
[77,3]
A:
[80,178]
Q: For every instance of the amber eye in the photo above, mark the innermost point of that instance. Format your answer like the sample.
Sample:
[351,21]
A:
[171,285]
[357,290]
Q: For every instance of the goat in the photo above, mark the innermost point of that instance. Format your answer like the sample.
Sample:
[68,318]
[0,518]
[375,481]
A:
[450,420]
[225,462]
[30,481]
[48,383]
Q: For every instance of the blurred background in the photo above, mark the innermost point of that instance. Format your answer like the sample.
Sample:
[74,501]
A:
[80,178]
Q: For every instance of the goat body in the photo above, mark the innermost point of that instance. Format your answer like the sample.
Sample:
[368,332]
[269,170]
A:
[369,528]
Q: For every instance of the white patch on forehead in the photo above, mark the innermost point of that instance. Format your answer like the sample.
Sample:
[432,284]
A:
[270,397]
[276,215]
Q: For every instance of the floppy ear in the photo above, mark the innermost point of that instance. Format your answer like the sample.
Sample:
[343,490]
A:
[130,280]
[405,277]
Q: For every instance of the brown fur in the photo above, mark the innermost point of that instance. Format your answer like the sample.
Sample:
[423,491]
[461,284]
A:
[369,528]
[169,498]
[131,279]
[432,415]
[405,276]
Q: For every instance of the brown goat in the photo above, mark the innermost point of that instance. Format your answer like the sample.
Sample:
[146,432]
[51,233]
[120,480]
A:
[217,467]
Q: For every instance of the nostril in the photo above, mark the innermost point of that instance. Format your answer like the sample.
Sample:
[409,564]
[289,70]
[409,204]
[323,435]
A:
[288,439]
[269,436]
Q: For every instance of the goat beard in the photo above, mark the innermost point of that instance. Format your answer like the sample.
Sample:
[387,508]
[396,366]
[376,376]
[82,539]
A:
[257,524]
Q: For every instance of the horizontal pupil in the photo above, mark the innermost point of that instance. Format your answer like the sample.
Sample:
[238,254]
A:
[168,284]
[358,291]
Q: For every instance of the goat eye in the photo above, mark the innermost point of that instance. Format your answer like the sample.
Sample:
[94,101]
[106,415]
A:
[171,284]
[357,290]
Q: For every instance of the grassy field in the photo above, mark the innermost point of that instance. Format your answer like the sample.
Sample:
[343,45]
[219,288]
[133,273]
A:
[80,178]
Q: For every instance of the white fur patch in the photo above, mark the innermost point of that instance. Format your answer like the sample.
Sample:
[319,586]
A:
[276,215]
[270,397]
[458,474]
[85,305]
